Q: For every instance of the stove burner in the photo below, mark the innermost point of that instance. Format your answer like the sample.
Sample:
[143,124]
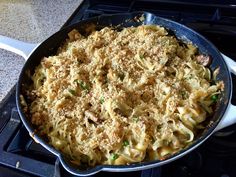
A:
[216,20]
[224,133]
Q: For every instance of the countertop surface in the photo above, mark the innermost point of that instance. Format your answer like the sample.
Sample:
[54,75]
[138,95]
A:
[29,21]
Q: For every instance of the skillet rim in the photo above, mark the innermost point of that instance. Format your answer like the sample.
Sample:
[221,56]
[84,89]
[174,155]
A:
[139,165]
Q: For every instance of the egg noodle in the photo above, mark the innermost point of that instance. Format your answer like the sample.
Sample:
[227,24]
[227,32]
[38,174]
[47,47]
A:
[119,97]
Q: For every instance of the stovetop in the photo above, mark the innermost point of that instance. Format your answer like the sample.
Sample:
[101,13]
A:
[216,20]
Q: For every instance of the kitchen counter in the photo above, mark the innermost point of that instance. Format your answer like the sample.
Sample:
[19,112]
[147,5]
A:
[29,21]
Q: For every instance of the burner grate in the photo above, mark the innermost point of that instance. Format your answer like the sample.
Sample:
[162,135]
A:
[217,22]
[179,11]
[18,151]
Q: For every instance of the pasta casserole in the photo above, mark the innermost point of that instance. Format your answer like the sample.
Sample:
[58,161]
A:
[120,97]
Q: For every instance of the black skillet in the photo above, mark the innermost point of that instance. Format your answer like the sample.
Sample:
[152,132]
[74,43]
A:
[224,111]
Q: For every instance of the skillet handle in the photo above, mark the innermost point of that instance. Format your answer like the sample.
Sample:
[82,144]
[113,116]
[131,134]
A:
[228,119]
[230,114]
[231,63]
[18,47]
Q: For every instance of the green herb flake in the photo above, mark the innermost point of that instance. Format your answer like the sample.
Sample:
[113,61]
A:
[72,92]
[183,94]
[190,77]
[83,85]
[126,143]
[135,119]
[102,100]
[106,80]
[214,98]
[141,57]
[114,156]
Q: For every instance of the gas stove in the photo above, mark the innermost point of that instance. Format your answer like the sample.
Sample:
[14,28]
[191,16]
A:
[216,20]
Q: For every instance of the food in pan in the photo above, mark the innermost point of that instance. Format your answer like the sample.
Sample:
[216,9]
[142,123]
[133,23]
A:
[120,97]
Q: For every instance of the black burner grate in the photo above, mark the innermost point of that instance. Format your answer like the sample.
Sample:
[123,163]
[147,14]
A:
[21,156]
[179,11]
[18,150]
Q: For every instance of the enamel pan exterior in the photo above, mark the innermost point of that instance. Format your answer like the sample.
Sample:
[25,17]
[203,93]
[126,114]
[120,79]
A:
[49,47]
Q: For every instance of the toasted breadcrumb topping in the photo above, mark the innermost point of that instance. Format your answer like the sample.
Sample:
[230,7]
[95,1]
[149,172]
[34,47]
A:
[119,97]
